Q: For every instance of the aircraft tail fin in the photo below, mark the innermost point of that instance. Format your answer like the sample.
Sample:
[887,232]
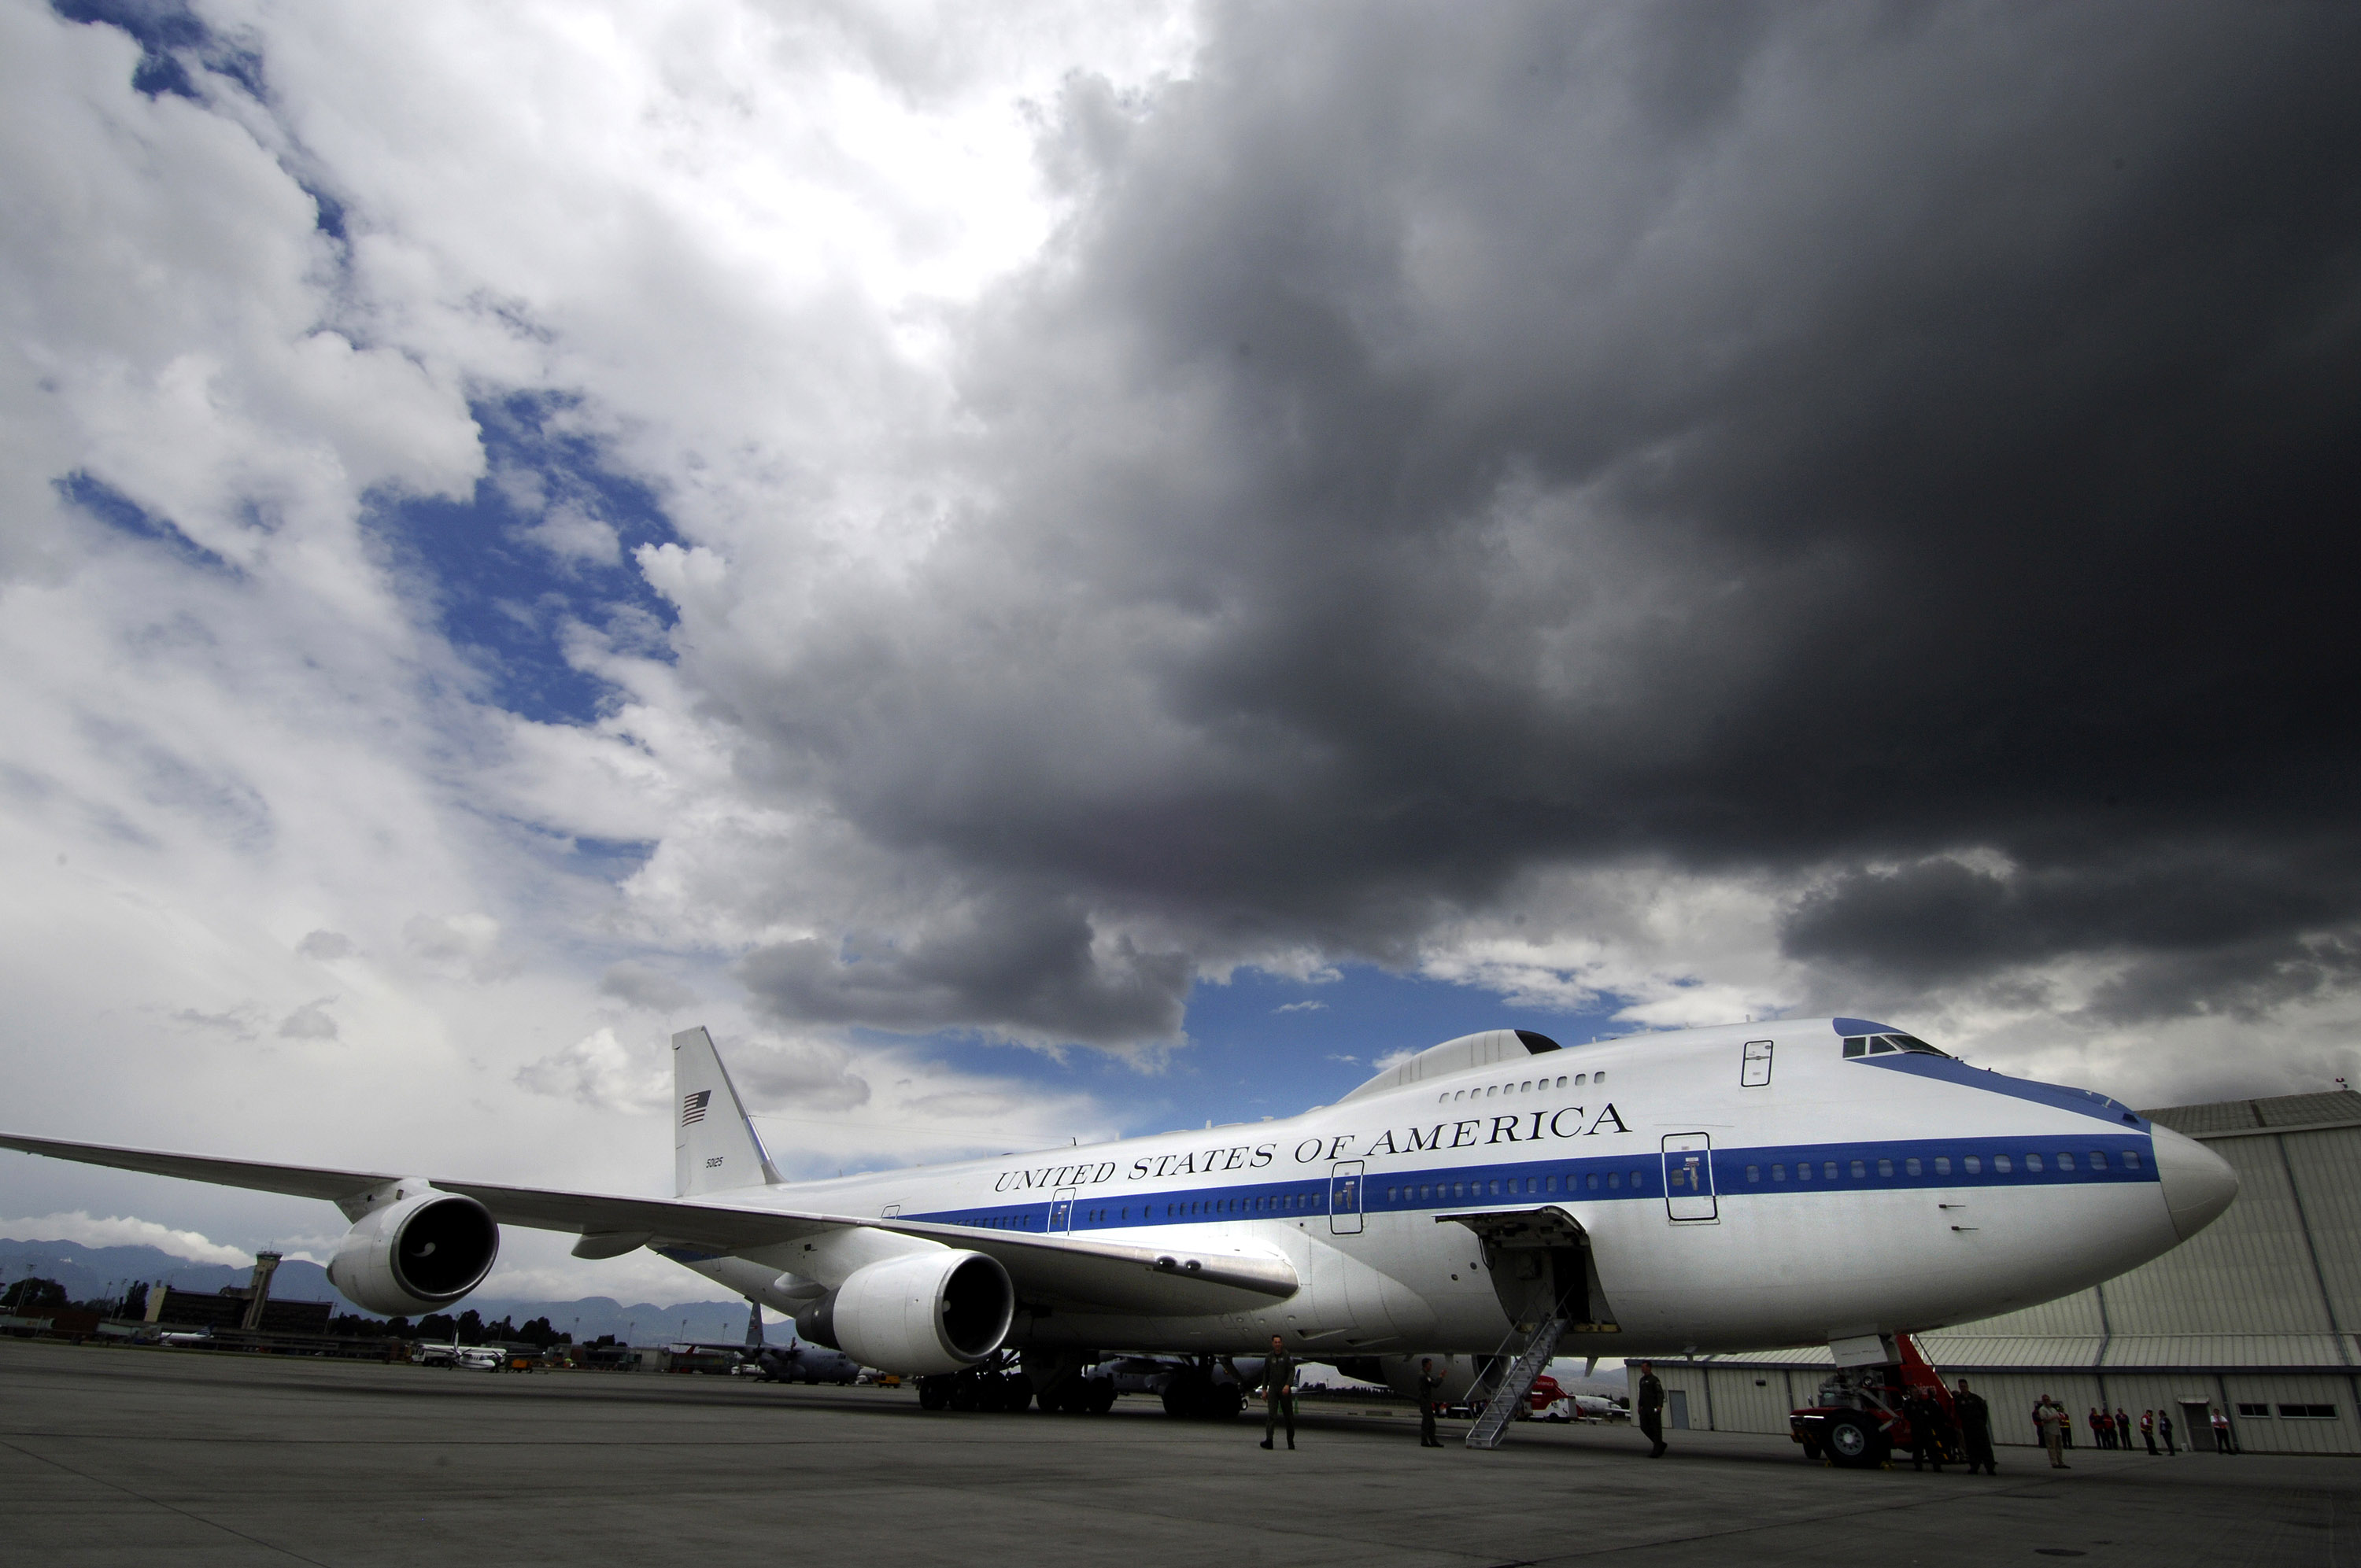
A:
[714,1147]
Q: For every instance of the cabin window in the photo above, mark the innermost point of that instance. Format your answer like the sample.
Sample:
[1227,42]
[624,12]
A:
[1581,1078]
[1910,1168]
[1598,1078]
[1638,1180]
[1942,1165]
[1591,1181]
[1443,1098]
[2066,1162]
[2098,1159]
[2131,1160]
[1753,1173]
[1462,1094]
[1975,1165]
[1885,1168]
[1561,1081]
[2033,1164]
[1778,1173]
[1859,1169]
[1803,1171]
[1553,1184]
[2001,1166]
[1522,1087]
[1491,1091]
[1615,1180]
[1829,1170]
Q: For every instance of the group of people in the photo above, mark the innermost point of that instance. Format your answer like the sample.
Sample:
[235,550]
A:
[1965,1431]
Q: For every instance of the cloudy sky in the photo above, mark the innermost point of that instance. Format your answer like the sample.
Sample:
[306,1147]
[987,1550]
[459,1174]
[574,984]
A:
[1059,570]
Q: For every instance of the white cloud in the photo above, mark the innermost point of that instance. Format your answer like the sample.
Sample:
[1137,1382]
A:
[122,1231]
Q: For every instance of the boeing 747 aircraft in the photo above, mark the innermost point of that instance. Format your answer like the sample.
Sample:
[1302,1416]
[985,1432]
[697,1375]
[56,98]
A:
[1725,1188]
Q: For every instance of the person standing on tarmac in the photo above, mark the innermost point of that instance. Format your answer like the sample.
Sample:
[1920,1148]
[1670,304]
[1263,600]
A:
[2225,1439]
[1652,1409]
[1279,1392]
[2164,1426]
[2054,1422]
[2124,1431]
[1429,1385]
[1975,1429]
[2147,1433]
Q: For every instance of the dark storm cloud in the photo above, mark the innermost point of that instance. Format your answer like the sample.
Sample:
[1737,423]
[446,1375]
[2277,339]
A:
[1450,442]
[1019,967]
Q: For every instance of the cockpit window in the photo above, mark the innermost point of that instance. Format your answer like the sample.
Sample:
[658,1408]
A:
[1883,1045]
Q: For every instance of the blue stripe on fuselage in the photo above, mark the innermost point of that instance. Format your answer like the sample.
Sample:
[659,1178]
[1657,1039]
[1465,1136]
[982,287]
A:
[1884,1165]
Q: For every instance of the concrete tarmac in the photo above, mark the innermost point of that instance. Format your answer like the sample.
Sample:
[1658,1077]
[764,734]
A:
[194,1459]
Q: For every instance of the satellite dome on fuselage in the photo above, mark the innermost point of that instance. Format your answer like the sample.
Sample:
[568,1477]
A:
[1456,1056]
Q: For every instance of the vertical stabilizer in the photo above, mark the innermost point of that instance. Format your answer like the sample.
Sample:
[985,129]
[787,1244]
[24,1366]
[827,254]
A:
[713,1145]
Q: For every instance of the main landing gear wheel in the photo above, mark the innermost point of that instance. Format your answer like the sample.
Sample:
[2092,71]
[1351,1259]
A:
[1852,1442]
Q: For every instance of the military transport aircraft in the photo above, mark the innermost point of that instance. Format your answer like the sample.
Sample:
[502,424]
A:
[1787,1183]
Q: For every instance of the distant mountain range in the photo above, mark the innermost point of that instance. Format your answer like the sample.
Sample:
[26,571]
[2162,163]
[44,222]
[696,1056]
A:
[90,1271]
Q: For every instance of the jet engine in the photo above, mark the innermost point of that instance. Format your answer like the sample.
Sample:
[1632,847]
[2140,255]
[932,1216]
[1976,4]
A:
[418,1255]
[924,1313]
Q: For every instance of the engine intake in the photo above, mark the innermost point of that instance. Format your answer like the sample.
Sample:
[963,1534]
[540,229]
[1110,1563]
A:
[926,1314]
[416,1255]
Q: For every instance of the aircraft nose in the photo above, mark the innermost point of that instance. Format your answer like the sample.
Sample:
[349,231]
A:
[2198,1183]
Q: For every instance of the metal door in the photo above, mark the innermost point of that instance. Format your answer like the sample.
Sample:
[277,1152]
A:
[1062,1210]
[1688,1177]
[1345,1198]
[1754,1067]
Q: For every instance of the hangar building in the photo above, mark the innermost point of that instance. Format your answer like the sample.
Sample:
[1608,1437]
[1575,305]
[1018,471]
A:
[2257,1315]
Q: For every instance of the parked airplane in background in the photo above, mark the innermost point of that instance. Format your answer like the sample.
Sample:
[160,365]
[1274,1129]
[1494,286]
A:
[794,1362]
[1789,1183]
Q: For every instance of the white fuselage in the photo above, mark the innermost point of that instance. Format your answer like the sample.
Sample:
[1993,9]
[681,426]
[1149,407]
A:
[1821,1198]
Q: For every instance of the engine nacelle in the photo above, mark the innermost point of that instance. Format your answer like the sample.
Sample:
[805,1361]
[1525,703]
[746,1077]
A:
[927,1312]
[1399,1373]
[419,1255]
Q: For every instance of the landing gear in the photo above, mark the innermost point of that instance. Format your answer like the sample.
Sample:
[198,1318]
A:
[990,1386]
[1852,1440]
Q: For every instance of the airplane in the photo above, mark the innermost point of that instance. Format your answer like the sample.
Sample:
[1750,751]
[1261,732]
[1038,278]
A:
[1745,1187]
[793,1361]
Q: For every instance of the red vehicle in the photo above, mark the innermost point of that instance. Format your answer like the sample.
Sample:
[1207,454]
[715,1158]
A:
[1865,1414]
[1545,1393]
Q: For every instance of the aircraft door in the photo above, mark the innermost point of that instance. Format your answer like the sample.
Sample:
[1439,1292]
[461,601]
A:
[1688,1177]
[1062,1210]
[1345,1198]
[1754,1067]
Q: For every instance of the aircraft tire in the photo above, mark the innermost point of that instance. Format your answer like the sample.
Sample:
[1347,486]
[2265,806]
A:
[1852,1442]
[1181,1397]
[1228,1401]
[1101,1397]
[932,1394]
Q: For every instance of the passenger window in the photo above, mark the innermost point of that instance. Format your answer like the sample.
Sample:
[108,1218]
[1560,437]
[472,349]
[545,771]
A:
[1638,1182]
[2033,1164]
[1829,1170]
[1803,1171]
[2131,1160]
[1490,1091]
[1753,1173]
[1615,1178]
[1523,1087]
[1591,1181]
[1561,1081]
[1778,1173]
[1443,1098]
[1458,1189]
[1910,1168]
[1496,1189]
[1975,1165]
[2098,1159]
[1460,1095]
[1581,1078]
[2065,1162]
[1885,1168]
[1942,1165]
[1598,1078]
[2001,1166]
[1859,1169]
[1553,1183]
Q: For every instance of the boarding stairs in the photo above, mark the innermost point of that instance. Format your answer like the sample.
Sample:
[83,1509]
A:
[1516,1384]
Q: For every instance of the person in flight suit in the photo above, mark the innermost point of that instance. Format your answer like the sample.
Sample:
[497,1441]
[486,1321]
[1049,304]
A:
[1429,1385]
[1279,1392]
[1652,1409]
[1975,1429]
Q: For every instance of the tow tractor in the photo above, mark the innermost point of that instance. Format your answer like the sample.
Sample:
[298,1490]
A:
[1863,1414]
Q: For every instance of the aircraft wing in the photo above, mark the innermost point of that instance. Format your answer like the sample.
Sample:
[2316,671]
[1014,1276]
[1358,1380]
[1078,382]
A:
[1060,1269]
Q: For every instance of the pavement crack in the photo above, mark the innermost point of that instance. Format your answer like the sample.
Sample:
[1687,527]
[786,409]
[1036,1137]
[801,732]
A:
[159,1503]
